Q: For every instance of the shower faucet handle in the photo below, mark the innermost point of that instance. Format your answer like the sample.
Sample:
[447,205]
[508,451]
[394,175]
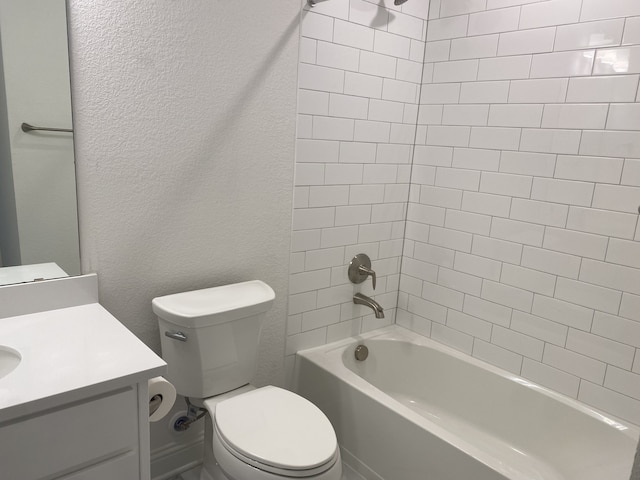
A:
[360,269]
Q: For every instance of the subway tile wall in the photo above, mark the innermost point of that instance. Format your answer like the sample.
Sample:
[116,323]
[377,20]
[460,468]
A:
[359,83]
[523,242]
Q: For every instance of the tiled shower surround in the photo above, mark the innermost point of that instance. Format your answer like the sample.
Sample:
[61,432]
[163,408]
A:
[522,240]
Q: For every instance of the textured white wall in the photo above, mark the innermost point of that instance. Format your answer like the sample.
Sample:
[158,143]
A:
[185,123]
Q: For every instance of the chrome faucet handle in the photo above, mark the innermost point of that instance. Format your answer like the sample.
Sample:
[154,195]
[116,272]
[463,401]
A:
[360,269]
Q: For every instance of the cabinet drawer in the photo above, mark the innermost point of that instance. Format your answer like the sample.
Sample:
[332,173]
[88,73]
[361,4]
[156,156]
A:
[64,440]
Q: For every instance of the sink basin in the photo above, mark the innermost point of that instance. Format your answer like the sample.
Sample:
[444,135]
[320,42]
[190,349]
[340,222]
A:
[9,360]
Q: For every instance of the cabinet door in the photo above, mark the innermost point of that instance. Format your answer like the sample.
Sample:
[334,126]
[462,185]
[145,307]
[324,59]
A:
[61,441]
[123,467]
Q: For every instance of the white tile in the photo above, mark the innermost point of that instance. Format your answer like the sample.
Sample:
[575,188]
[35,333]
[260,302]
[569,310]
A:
[312,102]
[440,94]
[353,215]
[390,44]
[379,174]
[631,173]
[432,254]
[366,13]
[423,175]
[621,88]
[366,194]
[376,64]
[541,329]
[546,90]
[524,163]
[328,196]
[495,138]
[616,197]
[308,281]
[551,377]
[353,35]
[553,12]
[300,197]
[362,85]
[562,191]
[478,266]
[616,328]
[403,133]
[497,356]
[619,277]
[313,218]
[457,178]
[305,240]
[320,318]
[337,56]
[565,313]
[624,116]
[602,222]
[301,341]
[419,269]
[449,8]
[329,128]
[539,40]
[469,325]
[367,131]
[507,296]
[455,71]
[308,50]
[416,51]
[330,9]
[631,31]
[317,151]
[409,71]
[484,92]
[506,184]
[587,295]
[347,106]
[468,222]
[399,91]
[437,51]
[602,349]
[333,237]
[406,25]
[343,174]
[426,309]
[355,152]
[314,77]
[543,213]
[494,21]
[520,232]
[623,381]
[459,281]
[417,9]
[497,249]
[589,35]
[437,156]
[465,114]
[440,197]
[476,159]
[390,153]
[562,64]
[550,141]
[596,9]
[517,342]
[453,338]
[589,169]
[304,126]
[491,312]
[453,27]
[491,4]
[302,302]
[442,295]
[578,243]
[513,115]
[505,68]
[316,26]
[610,144]
[386,212]
[582,116]
[551,262]
[574,363]
[426,214]
[450,239]
[615,61]
[448,136]
[495,205]
[527,279]
[474,47]
[623,252]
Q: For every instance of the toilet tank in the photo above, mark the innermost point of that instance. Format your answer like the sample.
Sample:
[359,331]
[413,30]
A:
[210,337]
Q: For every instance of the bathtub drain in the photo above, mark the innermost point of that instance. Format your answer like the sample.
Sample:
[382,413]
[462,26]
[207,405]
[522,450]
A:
[362,352]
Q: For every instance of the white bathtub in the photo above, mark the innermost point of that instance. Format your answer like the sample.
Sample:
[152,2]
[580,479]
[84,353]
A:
[417,410]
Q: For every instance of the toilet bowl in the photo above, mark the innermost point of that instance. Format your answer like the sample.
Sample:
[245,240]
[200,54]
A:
[209,340]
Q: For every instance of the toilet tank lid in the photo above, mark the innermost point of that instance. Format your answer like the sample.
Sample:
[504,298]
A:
[210,306]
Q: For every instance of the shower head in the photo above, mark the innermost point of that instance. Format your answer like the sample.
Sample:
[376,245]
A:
[399,2]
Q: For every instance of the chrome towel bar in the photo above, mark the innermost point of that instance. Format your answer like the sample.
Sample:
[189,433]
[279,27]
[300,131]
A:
[26,128]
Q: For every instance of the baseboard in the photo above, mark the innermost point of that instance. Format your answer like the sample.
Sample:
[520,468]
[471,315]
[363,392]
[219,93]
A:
[171,460]
[357,466]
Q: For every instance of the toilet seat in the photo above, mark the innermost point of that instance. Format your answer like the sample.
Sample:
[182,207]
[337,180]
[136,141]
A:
[275,431]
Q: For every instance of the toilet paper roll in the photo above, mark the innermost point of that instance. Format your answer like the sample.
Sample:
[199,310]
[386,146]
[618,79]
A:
[162,396]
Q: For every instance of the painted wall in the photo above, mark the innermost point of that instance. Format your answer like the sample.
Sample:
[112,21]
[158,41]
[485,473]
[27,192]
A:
[523,242]
[36,84]
[359,77]
[185,133]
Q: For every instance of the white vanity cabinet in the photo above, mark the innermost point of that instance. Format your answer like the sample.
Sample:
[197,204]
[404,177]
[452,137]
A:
[76,407]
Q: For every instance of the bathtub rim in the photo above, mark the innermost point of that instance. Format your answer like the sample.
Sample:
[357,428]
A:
[329,357]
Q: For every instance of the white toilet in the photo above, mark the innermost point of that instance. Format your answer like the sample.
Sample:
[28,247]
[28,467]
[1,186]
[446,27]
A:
[210,340]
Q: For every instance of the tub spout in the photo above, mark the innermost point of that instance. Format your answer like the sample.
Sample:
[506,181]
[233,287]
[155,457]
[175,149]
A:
[360,299]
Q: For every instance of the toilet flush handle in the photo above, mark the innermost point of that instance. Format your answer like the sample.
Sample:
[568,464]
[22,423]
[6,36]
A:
[176,336]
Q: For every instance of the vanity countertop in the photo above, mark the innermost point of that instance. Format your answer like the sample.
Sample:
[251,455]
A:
[68,354]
